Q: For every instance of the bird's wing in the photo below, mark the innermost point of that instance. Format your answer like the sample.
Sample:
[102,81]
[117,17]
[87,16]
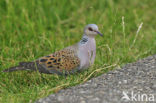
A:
[63,60]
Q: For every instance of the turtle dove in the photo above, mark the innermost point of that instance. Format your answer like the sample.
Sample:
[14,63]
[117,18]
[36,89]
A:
[68,60]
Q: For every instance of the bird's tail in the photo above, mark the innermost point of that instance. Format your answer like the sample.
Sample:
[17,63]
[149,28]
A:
[22,66]
[14,69]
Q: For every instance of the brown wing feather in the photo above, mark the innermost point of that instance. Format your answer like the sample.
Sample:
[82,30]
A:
[61,60]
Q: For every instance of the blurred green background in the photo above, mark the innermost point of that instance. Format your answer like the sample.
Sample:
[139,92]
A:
[33,28]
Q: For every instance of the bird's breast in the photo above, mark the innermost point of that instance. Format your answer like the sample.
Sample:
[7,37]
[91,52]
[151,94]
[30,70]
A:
[85,53]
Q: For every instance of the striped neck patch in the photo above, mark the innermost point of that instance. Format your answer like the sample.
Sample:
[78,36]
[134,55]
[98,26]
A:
[84,40]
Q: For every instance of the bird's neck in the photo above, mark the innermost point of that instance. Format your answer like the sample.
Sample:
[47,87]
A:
[88,36]
[86,39]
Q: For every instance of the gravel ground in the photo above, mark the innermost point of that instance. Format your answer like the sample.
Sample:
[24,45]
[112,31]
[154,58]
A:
[135,81]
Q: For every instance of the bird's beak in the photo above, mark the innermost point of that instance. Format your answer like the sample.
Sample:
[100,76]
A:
[99,33]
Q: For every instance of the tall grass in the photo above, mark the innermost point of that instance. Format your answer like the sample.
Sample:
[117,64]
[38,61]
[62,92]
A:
[30,29]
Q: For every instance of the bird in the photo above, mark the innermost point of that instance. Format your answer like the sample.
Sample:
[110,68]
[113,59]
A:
[71,59]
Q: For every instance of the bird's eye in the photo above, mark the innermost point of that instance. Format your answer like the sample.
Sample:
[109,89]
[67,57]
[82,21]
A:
[90,29]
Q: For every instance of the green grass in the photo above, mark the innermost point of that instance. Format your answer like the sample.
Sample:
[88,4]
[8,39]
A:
[33,28]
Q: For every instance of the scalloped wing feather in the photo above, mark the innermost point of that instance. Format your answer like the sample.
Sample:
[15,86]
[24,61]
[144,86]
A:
[63,60]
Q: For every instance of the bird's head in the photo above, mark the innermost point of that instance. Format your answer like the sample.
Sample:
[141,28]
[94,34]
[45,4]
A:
[92,30]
